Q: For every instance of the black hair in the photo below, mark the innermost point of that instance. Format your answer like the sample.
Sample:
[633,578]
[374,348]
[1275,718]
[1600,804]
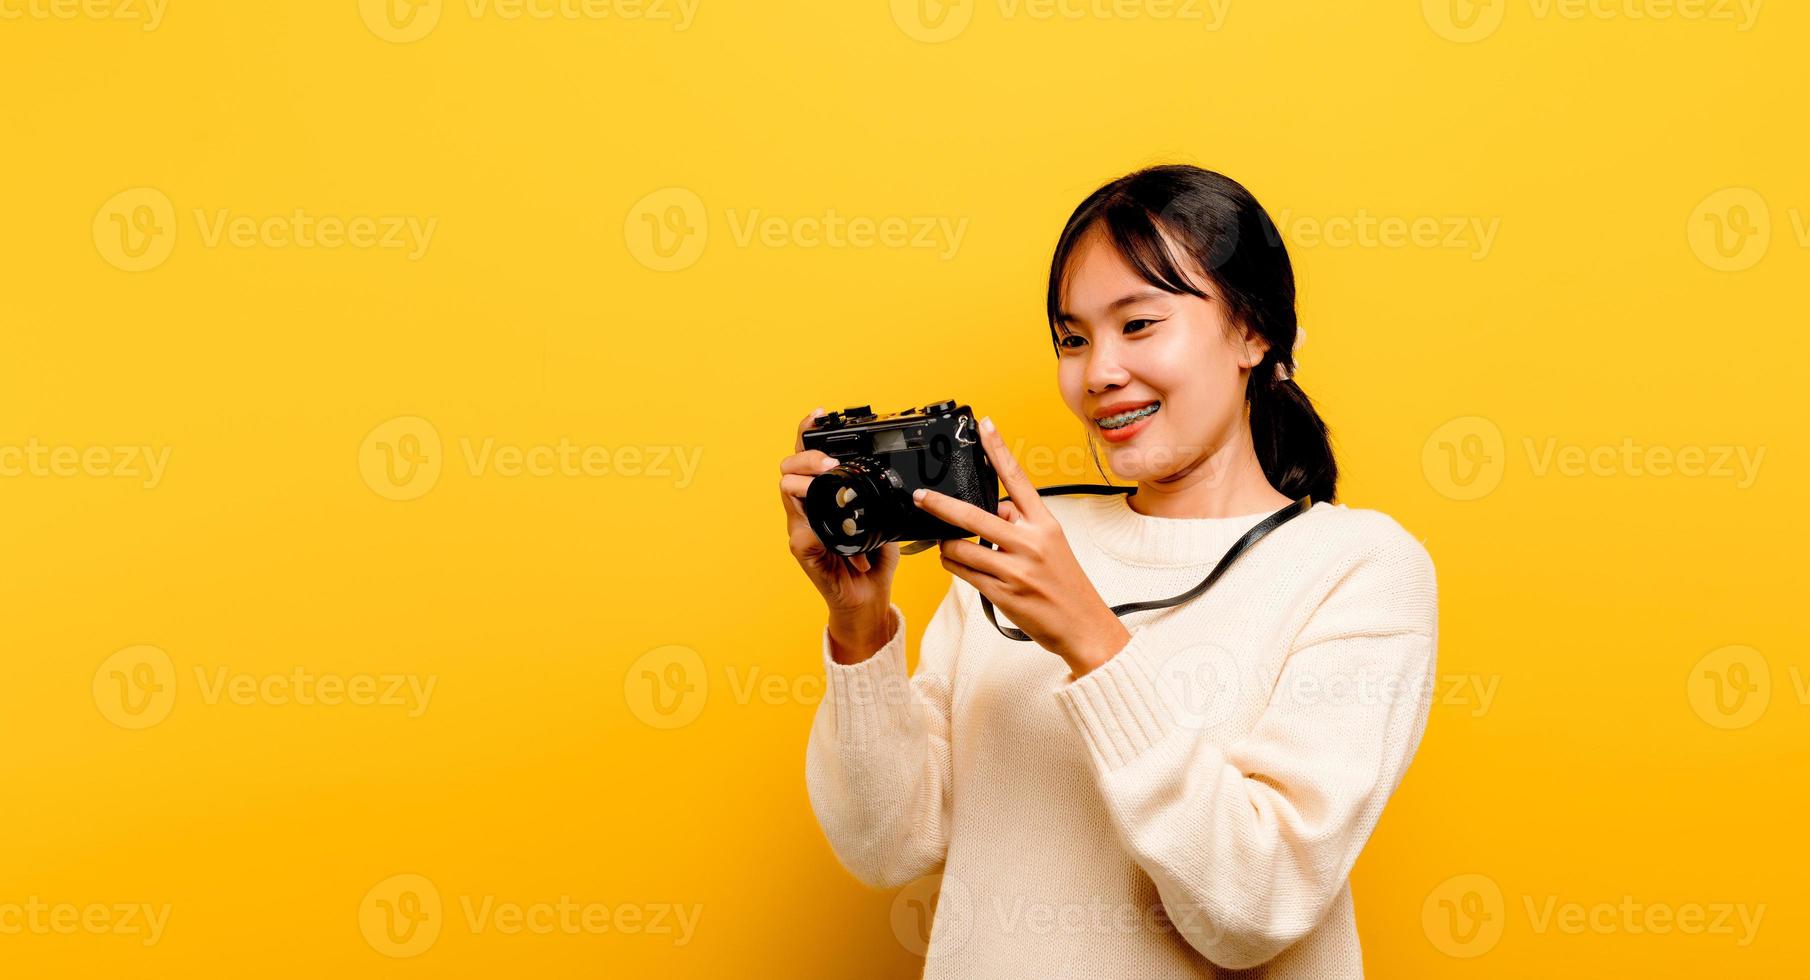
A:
[1228,236]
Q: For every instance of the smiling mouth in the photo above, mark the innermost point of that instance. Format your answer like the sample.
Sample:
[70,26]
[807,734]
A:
[1124,419]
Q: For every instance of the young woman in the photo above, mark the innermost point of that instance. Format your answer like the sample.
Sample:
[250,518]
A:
[1182,792]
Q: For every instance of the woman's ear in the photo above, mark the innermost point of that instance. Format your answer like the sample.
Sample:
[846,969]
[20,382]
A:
[1252,344]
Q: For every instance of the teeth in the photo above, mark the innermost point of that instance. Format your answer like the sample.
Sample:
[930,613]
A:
[1124,419]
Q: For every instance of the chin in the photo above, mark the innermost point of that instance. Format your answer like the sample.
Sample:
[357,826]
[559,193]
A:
[1137,463]
[1124,471]
[1147,460]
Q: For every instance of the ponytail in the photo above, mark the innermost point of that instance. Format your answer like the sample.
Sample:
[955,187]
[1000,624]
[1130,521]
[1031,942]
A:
[1292,442]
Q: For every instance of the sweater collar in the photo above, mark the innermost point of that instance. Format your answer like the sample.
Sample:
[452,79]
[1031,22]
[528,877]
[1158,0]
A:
[1141,539]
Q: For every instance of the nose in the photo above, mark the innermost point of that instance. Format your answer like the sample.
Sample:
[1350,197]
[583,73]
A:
[1104,371]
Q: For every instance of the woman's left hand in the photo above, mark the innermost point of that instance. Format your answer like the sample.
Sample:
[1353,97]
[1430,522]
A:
[1033,576]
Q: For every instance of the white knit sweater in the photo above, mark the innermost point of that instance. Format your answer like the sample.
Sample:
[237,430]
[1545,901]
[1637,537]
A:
[1193,806]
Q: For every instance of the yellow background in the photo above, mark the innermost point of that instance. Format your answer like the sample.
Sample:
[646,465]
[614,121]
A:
[541,606]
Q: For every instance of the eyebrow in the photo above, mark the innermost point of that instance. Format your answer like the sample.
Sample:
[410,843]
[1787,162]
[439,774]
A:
[1066,317]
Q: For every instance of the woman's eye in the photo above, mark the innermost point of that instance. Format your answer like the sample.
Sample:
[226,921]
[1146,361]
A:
[1077,339]
[1135,325]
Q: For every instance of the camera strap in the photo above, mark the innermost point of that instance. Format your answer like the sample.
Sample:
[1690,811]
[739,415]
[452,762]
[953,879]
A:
[1250,537]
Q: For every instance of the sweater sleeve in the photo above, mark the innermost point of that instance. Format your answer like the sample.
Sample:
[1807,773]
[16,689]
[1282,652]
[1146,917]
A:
[878,760]
[1250,842]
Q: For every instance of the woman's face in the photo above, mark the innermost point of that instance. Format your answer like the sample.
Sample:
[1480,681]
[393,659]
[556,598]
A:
[1176,362]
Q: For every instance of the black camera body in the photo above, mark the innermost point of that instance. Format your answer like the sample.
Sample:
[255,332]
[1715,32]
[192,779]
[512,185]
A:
[865,501]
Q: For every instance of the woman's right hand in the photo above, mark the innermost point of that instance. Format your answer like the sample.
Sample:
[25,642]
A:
[858,589]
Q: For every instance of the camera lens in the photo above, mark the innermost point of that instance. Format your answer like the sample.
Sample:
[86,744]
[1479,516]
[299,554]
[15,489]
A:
[856,507]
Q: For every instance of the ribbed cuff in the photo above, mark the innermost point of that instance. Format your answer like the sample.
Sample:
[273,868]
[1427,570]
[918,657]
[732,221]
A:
[872,696]
[1122,707]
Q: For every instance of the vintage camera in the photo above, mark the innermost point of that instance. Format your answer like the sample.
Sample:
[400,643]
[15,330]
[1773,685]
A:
[865,501]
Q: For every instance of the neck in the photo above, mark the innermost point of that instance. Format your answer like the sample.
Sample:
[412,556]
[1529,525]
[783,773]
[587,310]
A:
[1227,482]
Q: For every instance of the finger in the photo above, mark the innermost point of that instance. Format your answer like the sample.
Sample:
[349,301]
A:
[798,471]
[811,462]
[1009,512]
[976,557]
[983,583]
[860,562]
[802,540]
[795,517]
[796,484]
[798,445]
[967,516]
[1018,485]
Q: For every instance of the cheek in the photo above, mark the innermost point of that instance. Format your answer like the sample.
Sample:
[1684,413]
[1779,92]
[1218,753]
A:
[1185,377]
[1170,366]
[1070,373]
